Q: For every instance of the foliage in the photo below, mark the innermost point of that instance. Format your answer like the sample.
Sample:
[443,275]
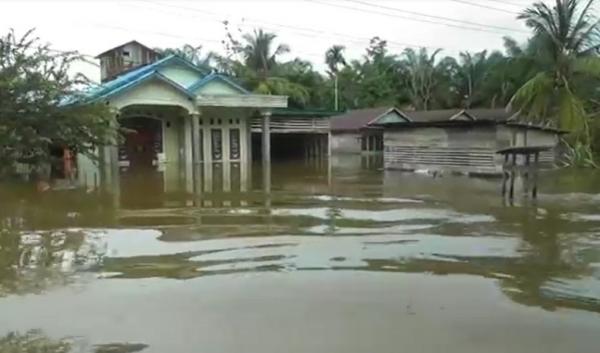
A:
[193,54]
[567,40]
[38,105]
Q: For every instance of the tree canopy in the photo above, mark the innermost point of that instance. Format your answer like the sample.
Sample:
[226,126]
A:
[38,105]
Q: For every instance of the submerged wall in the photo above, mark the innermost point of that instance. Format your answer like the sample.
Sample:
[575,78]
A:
[345,142]
[460,149]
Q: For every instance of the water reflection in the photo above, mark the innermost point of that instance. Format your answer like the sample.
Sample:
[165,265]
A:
[330,220]
[35,341]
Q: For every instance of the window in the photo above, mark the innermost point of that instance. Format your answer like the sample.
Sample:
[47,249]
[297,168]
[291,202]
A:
[234,144]
[217,144]
[126,53]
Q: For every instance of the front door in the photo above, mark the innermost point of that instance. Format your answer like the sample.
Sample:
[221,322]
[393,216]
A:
[143,143]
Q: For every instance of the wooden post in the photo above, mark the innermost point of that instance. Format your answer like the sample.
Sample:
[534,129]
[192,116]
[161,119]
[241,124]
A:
[511,193]
[526,175]
[535,162]
[504,174]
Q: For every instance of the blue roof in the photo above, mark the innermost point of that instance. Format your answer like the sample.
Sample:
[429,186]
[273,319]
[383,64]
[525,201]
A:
[144,73]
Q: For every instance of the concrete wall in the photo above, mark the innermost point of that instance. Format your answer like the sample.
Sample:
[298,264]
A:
[184,76]
[345,142]
[153,93]
[217,87]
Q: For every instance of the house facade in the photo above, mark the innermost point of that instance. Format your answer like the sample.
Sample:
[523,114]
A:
[463,141]
[179,120]
[358,131]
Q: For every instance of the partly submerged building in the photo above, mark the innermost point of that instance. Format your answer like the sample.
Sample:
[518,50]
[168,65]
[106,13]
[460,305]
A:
[181,118]
[358,131]
[464,141]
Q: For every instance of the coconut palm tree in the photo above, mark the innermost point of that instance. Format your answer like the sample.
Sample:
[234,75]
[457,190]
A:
[567,41]
[334,58]
[258,52]
[421,76]
[191,53]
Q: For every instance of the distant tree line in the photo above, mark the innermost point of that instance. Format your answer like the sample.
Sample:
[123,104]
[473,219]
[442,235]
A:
[553,78]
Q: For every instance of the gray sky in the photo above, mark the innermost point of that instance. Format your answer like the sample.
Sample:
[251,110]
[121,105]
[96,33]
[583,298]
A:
[309,27]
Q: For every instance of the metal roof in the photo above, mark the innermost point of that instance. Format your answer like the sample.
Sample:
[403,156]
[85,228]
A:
[361,118]
[454,114]
[124,44]
[144,73]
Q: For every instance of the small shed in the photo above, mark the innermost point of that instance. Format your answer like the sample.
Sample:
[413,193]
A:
[358,131]
[464,141]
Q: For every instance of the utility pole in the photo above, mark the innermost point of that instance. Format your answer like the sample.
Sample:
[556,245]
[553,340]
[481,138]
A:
[336,103]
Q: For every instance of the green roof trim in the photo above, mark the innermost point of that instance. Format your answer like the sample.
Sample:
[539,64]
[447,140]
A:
[286,112]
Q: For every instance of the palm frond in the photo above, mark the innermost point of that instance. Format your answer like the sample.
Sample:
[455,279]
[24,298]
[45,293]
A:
[588,66]
[534,97]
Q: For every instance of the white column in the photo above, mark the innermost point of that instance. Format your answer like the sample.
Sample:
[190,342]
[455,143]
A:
[266,150]
[188,154]
[197,174]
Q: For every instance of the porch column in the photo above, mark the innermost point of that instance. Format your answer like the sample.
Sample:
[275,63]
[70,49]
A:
[188,153]
[266,150]
[197,173]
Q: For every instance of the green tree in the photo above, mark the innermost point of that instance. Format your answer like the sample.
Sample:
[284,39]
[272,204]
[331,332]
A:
[193,54]
[253,61]
[567,38]
[420,76]
[260,53]
[41,105]
[334,58]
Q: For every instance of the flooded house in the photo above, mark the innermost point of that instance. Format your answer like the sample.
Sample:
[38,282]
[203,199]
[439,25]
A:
[359,131]
[463,141]
[184,122]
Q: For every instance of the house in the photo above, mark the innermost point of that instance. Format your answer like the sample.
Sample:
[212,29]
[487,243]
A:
[183,121]
[464,141]
[296,134]
[125,57]
[359,131]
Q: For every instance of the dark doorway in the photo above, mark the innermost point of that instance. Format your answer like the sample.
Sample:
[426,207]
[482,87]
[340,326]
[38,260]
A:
[285,147]
[143,142]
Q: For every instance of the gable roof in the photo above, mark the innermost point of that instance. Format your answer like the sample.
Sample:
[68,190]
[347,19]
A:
[216,77]
[124,44]
[139,75]
[362,118]
[455,114]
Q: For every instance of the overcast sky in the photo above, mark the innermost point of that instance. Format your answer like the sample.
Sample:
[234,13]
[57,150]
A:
[309,27]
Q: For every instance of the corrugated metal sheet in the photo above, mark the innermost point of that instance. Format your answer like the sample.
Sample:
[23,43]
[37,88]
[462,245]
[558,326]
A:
[356,119]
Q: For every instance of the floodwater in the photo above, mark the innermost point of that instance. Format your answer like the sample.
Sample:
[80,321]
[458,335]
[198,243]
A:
[342,259]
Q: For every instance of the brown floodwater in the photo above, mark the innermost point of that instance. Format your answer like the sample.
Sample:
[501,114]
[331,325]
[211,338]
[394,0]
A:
[347,258]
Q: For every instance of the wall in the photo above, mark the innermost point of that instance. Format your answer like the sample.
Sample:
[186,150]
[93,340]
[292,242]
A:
[345,142]
[521,136]
[467,150]
[183,76]
[88,172]
[153,92]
